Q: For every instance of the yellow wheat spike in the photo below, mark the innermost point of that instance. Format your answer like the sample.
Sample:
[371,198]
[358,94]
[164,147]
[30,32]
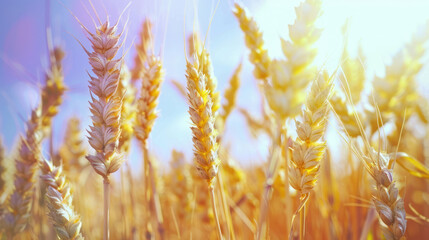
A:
[146,104]
[59,198]
[254,42]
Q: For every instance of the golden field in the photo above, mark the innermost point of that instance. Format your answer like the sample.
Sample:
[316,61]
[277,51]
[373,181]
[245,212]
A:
[345,149]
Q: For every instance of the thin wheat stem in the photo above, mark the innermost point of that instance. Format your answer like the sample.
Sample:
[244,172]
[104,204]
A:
[264,211]
[301,223]
[225,207]
[213,200]
[155,196]
[106,186]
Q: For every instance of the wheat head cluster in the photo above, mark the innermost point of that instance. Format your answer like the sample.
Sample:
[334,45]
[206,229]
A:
[376,187]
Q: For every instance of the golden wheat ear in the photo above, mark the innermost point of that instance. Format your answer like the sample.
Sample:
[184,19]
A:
[202,111]
[151,87]
[309,148]
[144,49]
[59,198]
[254,42]
[105,105]
[127,92]
[19,203]
[54,88]
[230,96]
[73,151]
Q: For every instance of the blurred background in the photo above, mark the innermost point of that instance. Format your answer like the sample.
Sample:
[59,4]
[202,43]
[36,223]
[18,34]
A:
[380,26]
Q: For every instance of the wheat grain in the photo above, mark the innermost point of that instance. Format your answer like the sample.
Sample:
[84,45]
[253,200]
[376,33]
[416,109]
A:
[211,83]
[66,222]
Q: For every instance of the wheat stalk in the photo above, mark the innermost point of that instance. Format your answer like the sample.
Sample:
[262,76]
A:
[180,185]
[254,42]
[203,131]
[309,147]
[66,222]
[105,107]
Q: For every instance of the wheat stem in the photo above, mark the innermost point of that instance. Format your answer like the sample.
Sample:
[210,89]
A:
[213,200]
[302,223]
[225,207]
[155,196]
[106,189]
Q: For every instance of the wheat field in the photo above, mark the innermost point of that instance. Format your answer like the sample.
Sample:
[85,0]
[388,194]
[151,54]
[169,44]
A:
[303,119]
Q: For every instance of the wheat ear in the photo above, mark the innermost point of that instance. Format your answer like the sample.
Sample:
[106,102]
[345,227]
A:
[66,222]
[309,147]
[386,199]
[254,42]
[105,107]
[288,78]
[146,104]
[128,112]
[54,88]
[230,96]
[203,131]
[19,202]
[142,49]
[398,87]
[72,152]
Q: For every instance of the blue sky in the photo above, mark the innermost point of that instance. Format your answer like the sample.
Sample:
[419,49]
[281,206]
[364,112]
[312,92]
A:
[382,27]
